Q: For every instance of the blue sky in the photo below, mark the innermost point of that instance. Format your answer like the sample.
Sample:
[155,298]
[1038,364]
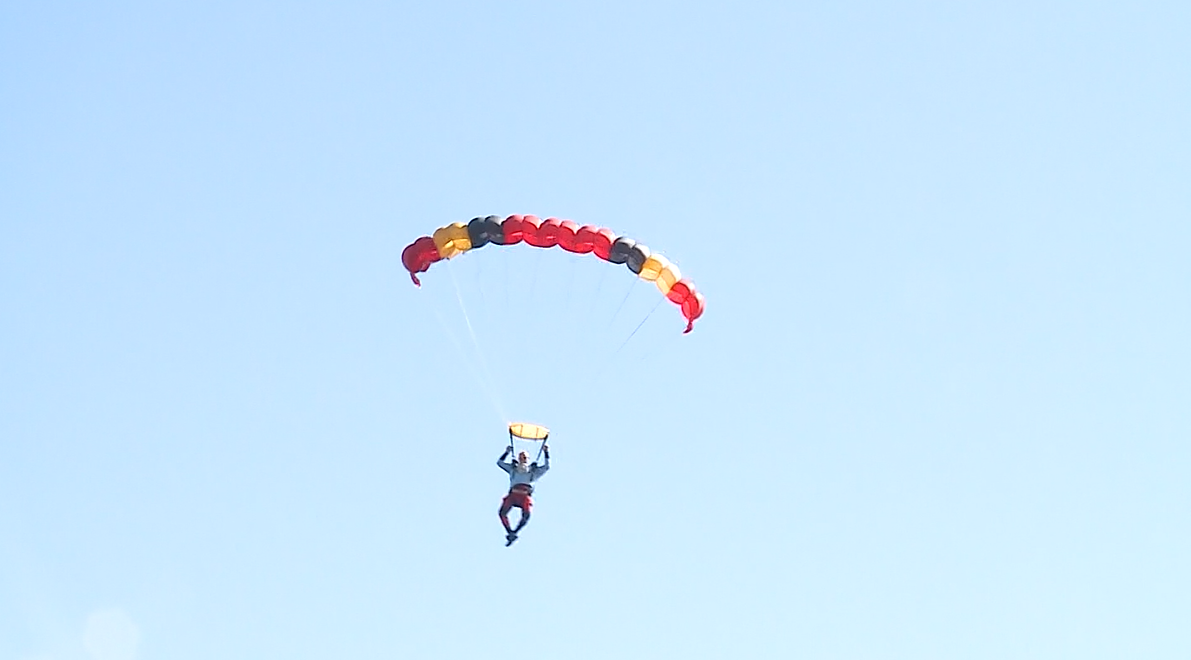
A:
[937,407]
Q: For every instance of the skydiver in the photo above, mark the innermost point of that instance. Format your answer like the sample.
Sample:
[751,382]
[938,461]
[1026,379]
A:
[522,474]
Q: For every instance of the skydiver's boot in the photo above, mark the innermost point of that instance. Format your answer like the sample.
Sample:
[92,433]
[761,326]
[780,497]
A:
[509,538]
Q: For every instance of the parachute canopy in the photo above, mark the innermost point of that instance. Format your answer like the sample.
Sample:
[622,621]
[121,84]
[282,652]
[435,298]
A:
[527,431]
[456,238]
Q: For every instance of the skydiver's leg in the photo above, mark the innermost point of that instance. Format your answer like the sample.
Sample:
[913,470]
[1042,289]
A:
[524,519]
[505,506]
[526,506]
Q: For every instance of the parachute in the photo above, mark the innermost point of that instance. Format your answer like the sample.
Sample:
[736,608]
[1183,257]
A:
[527,431]
[456,238]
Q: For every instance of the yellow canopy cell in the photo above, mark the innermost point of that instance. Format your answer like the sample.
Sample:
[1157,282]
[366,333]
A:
[667,278]
[452,240]
[653,267]
[660,271]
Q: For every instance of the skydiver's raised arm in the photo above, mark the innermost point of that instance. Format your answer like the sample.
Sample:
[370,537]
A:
[500,462]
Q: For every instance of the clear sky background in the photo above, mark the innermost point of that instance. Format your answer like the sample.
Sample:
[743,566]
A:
[939,405]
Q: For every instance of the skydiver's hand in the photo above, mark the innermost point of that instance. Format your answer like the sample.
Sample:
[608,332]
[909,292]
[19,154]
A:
[546,450]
